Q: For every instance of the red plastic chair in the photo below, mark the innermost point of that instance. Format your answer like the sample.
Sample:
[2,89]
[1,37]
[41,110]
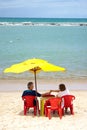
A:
[68,103]
[53,104]
[29,103]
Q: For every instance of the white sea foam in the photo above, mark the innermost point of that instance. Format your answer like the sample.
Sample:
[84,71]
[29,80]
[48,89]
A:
[41,24]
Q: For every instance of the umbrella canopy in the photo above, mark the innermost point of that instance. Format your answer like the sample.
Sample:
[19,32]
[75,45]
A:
[33,65]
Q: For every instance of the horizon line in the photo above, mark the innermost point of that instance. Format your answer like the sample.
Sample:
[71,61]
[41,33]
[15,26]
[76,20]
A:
[49,17]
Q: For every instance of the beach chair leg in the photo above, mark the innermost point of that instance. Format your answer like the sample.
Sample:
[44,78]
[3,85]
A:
[25,110]
[71,110]
[49,114]
[46,112]
[60,113]
[63,111]
[35,109]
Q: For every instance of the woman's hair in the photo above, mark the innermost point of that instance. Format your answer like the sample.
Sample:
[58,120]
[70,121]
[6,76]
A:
[29,84]
[62,87]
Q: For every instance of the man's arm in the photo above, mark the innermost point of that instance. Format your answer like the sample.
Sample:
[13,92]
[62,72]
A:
[43,94]
[54,91]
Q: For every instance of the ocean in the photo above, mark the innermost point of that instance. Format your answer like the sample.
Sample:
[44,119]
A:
[62,42]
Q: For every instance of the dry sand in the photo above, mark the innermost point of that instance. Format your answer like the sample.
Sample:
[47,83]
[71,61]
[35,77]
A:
[12,118]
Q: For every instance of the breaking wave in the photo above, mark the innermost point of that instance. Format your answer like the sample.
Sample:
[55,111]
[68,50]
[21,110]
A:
[40,24]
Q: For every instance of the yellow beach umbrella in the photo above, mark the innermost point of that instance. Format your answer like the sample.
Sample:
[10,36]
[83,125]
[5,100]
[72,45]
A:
[33,65]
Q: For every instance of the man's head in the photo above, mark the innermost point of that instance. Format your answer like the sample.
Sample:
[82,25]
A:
[62,87]
[30,85]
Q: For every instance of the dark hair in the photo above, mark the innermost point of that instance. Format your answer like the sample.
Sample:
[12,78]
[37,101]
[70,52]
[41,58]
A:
[62,87]
[29,84]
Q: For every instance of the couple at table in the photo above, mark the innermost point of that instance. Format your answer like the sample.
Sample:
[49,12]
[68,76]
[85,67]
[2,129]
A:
[62,90]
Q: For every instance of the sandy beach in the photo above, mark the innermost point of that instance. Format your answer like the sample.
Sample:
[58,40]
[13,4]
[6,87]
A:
[12,118]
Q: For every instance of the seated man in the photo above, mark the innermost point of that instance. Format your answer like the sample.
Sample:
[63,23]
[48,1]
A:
[32,92]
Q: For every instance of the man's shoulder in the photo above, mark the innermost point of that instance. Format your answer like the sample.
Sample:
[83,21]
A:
[29,91]
[33,91]
[26,90]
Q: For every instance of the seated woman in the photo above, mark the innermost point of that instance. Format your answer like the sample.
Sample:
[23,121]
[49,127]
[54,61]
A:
[62,92]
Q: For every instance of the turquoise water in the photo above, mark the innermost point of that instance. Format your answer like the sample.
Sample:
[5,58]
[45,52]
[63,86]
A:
[43,19]
[65,46]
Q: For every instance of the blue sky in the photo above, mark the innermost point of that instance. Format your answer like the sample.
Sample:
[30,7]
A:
[43,8]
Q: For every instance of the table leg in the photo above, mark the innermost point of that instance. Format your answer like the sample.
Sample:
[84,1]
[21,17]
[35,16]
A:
[42,108]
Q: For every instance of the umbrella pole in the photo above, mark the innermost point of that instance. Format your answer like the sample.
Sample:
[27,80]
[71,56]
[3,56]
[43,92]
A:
[37,105]
[35,80]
